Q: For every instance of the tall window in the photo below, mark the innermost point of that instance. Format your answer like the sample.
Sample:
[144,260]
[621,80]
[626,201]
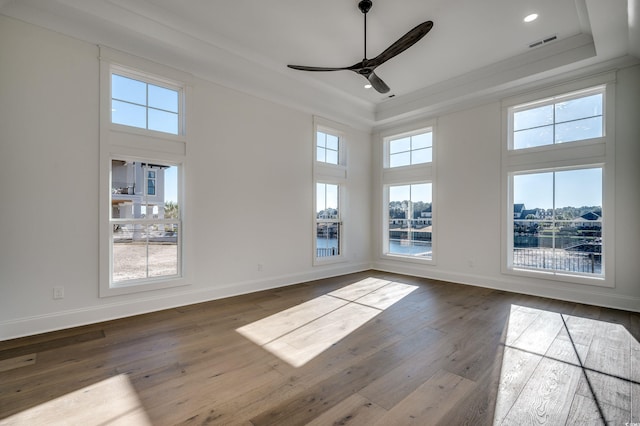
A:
[145,105]
[407,179]
[142,158]
[556,160]
[410,220]
[330,182]
[328,223]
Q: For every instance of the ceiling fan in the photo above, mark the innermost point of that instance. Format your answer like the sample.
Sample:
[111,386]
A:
[367,66]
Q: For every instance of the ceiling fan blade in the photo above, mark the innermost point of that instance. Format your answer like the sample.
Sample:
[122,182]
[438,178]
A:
[402,44]
[306,68]
[377,83]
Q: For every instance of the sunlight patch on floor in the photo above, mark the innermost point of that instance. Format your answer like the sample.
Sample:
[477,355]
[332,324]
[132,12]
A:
[559,369]
[112,401]
[300,333]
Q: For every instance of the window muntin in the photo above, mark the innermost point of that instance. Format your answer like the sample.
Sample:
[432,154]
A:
[410,150]
[327,148]
[559,120]
[410,220]
[145,228]
[558,220]
[144,105]
[328,222]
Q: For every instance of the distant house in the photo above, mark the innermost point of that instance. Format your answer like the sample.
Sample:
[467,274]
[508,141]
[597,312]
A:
[518,209]
[588,221]
[137,190]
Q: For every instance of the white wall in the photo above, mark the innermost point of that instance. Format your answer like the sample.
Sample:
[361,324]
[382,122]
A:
[249,189]
[469,205]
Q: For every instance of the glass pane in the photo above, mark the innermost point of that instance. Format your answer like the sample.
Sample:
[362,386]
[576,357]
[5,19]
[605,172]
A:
[332,198]
[320,154]
[321,139]
[332,142]
[401,159]
[589,106]
[321,201]
[533,244]
[170,176]
[538,136]
[129,252]
[327,239]
[579,130]
[162,98]
[163,121]
[128,114]
[532,192]
[399,145]
[128,89]
[534,117]
[579,189]
[332,157]
[163,249]
[423,140]
[421,156]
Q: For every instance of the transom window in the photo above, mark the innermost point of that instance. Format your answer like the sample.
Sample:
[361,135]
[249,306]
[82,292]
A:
[558,120]
[145,105]
[327,148]
[410,150]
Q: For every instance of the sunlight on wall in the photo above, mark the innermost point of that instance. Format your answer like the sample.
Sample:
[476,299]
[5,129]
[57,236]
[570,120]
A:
[556,366]
[111,401]
[299,334]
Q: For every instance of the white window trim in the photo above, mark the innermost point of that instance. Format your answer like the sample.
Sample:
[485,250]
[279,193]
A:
[407,175]
[597,152]
[120,141]
[333,174]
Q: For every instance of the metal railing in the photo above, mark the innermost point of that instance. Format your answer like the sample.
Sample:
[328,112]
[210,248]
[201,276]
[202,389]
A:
[562,260]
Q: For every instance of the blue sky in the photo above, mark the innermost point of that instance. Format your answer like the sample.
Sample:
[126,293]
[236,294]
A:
[573,188]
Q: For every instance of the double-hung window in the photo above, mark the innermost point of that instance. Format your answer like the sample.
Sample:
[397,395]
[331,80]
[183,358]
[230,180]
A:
[143,152]
[330,180]
[408,181]
[558,165]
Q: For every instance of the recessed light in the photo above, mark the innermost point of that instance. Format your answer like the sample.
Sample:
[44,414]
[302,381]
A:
[531,18]
[368,86]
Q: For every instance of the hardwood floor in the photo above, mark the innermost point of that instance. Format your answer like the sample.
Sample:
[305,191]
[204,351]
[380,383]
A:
[362,349]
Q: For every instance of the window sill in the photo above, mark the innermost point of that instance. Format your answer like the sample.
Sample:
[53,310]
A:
[598,281]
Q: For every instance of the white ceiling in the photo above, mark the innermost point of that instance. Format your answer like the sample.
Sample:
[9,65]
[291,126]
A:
[476,48]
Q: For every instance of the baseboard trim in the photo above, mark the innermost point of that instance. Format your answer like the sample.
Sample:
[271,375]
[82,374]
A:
[155,301]
[587,295]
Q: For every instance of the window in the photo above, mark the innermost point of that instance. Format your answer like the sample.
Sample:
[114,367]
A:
[328,223]
[145,105]
[145,226]
[327,148]
[558,169]
[407,195]
[410,220]
[143,244]
[410,150]
[557,221]
[561,119]
[330,183]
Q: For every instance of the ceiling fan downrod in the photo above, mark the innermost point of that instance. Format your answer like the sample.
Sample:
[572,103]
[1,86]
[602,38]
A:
[365,6]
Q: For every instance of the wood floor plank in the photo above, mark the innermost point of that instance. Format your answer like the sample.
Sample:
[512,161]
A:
[353,411]
[584,411]
[547,396]
[635,377]
[17,362]
[430,402]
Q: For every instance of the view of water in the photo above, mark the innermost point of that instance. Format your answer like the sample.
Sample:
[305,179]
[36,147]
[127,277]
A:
[395,246]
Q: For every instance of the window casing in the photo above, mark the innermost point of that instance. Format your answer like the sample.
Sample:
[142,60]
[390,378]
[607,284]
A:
[330,185]
[142,174]
[558,171]
[408,219]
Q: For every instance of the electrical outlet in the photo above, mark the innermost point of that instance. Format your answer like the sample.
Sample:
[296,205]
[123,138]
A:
[58,292]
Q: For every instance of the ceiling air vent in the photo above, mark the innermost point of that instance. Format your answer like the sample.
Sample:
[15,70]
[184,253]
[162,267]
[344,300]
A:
[543,41]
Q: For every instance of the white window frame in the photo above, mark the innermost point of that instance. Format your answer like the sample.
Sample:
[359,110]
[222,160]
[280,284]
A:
[331,174]
[409,134]
[408,175]
[575,155]
[119,141]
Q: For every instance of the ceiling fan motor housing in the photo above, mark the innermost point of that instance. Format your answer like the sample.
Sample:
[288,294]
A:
[365,5]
